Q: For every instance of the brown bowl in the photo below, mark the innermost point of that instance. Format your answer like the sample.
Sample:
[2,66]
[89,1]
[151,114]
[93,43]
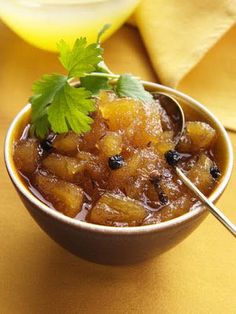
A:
[117,245]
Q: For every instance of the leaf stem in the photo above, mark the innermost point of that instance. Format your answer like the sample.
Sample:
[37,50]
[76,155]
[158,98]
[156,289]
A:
[97,74]
[108,75]
[101,74]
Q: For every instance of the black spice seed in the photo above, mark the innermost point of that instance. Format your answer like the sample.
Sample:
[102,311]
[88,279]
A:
[46,145]
[172,157]
[155,179]
[116,162]
[163,198]
[215,172]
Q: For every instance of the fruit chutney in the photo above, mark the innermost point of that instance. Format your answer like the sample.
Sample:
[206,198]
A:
[120,173]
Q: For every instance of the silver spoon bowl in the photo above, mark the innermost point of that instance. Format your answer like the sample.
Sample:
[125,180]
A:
[174,110]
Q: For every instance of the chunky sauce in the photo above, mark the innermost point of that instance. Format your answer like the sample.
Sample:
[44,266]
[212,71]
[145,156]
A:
[118,174]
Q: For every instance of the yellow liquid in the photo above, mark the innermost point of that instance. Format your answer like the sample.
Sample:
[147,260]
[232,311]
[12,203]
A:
[44,22]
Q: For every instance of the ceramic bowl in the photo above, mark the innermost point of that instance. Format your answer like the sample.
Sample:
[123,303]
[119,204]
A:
[117,245]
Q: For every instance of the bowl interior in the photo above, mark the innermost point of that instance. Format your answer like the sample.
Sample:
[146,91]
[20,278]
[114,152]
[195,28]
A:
[193,110]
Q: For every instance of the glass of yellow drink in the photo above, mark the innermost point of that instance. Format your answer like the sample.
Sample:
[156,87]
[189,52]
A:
[44,22]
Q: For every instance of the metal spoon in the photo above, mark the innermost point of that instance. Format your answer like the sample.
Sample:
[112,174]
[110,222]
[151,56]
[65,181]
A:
[175,111]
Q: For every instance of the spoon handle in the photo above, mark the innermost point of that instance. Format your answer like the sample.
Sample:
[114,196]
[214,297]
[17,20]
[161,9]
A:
[213,209]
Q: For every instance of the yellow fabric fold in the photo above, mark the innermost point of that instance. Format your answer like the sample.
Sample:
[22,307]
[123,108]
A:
[191,45]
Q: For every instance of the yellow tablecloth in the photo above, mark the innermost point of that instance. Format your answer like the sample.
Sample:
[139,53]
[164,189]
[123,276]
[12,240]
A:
[191,45]
[37,276]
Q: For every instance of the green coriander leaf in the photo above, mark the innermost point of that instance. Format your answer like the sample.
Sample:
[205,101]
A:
[129,86]
[48,82]
[69,110]
[40,127]
[102,68]
[94,83]
[44,92]
[81,59]
[102,31]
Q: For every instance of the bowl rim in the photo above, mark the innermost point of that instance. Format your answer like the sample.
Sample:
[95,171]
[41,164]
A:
[173,223]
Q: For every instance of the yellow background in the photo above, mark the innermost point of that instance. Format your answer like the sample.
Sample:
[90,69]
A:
[37,276]
[192,47]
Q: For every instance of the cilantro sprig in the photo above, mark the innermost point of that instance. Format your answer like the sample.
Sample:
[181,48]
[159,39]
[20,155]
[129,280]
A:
[82,59]
[129,86]
[59,106]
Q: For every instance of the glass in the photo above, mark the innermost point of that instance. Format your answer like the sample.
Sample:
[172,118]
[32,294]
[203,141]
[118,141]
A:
[44,22]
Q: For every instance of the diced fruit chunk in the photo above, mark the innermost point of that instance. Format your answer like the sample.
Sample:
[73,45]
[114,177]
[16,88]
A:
[121,177]
[66,197]
[201,134]
[200,174]
[139,122]
[26,155]
[94,167]
[166,142]
[176,208]
[110,144]
[133,178]
[172,188]
[147,128]
[63,167]
[67,143]
[98,130]
[120,112]
[112,209]
[198,135]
